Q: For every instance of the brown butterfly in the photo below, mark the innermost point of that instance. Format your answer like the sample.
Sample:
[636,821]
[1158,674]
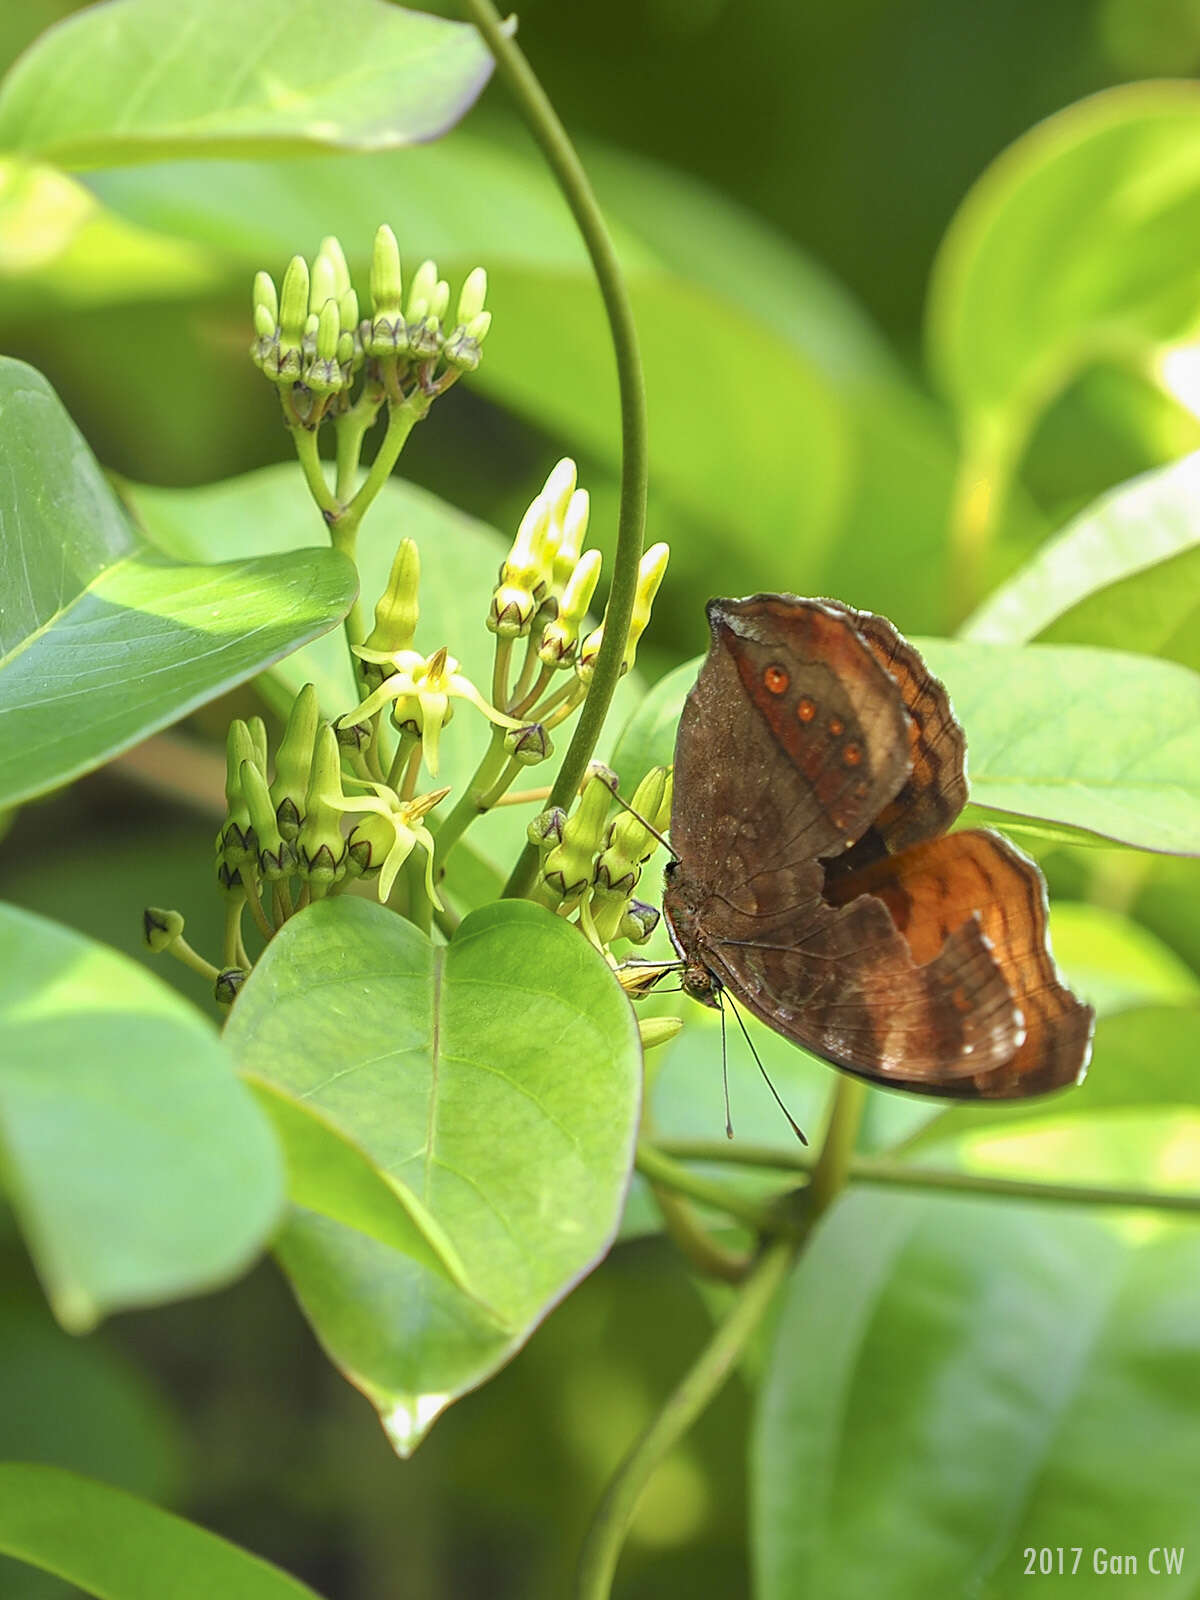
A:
[818,766]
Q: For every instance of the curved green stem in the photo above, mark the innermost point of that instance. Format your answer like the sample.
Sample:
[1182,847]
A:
[707,1255]
[309,456]
[402,419]
[907,1175]
[550,134]
[602,1547]
[469,805]
[837,1149]
[659,1169]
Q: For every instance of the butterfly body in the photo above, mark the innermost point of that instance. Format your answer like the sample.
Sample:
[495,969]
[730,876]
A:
[818,767]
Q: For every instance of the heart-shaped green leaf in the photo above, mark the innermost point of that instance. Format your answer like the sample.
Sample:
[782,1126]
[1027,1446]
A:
[498,1079]
[1125,573]
[956,1383]
[110,1544]
[140,1168]
[241,77]
[327,1173]
[102,639]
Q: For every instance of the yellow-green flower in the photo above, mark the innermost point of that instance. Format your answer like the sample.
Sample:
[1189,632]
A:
[391,841]
[420,690]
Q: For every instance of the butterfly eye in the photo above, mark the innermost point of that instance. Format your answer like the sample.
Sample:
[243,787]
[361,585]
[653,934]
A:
[776,679]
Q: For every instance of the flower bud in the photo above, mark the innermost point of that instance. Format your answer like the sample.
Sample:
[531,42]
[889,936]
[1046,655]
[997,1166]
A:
[265,298]
[529,744]
[369,844]
[160,929]
[546,829]
[276,858]
[257,730]
[658,1030]
[322,283]
[352,735]
[293,315]
[331,251]
[524,575]
[228,985]
[293,762]
[397,610]
[560,636]
[473,295]
[574,531]
[568,867]
[650,575]
[236,844]
[386,281]
[639,922]
[320,847]
[421,292]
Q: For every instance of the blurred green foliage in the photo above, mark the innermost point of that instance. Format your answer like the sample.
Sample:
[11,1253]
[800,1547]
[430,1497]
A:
[780,176]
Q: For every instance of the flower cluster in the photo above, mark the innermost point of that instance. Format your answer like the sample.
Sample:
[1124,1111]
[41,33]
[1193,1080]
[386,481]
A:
[310,340]
[592,866]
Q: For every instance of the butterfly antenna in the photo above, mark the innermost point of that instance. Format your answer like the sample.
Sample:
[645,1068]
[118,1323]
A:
[725,1068]
[795,1126]
[649,827]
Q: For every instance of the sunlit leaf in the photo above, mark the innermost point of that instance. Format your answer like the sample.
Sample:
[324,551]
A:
[1125,573]
[498,1079]
[102,640]
[239,77]
[1078,244]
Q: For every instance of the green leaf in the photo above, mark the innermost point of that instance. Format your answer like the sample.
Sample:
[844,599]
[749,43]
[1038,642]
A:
[954,1382]
[1132,1122]
[1114,963]
[241,77]
[783,374]
[1089,740]
[1125,573]
[498,1078]
[1108,191]
[327,1173]
[1094,740]
[139,1166]
[110,1544]
[102,640]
